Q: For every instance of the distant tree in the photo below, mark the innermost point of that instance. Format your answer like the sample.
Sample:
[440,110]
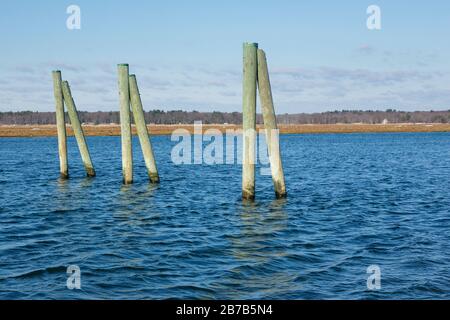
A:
[158,116]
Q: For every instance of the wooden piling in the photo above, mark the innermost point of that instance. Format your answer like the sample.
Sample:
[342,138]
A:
[125,124]
[60,124]
[141,128]
[249,120]
[270,125]
[77,129]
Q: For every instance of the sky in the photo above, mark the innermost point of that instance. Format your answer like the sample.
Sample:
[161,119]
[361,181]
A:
[188,54]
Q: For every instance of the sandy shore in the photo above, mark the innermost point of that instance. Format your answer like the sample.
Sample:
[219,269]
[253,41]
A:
[114,130]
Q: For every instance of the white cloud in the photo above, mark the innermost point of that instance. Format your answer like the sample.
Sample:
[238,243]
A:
[208,88]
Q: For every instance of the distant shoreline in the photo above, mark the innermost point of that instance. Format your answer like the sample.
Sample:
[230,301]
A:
[160,129]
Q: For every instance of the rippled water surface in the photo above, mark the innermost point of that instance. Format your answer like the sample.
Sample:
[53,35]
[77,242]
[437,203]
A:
[354,200]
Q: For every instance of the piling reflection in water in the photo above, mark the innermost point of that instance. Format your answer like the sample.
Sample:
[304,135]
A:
[86,182]
[62,199]
[259,254]
[259,226]
[134,203]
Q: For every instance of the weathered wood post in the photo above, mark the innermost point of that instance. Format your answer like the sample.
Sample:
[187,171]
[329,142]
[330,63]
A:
[60,124]
[77,129]
[270,125]
[249,120]
[139,121]
[125,125]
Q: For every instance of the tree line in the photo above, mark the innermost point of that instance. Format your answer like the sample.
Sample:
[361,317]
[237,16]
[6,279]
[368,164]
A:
[188,117]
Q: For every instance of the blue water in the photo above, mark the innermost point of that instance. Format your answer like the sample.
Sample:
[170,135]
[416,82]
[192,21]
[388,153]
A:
[355,200]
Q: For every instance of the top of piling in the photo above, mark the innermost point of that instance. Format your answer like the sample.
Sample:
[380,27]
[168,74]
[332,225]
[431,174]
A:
[122,65]
[251,44]
[56,71]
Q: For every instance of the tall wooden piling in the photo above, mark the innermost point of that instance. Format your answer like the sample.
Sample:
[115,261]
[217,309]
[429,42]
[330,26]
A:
[249,120]
[60,124]
[125,124]
[270,125]
[77,129]
[139,121]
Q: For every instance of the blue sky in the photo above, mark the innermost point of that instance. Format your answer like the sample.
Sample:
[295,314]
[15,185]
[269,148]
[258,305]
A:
[188,54]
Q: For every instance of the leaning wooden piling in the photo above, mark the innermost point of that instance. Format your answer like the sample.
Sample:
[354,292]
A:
[141,128]
[249,120]
[60,124]
[270,125]
[125,124]
[77,129]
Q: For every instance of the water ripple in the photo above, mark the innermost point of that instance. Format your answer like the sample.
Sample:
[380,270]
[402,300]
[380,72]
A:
[354,200]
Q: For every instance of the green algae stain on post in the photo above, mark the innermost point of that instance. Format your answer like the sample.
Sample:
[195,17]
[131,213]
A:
[250,69]
[77,129]
[125,124]
[270,125]
[60,124]
[139,121]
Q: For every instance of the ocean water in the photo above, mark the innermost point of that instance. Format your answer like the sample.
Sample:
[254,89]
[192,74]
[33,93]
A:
[354,200]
